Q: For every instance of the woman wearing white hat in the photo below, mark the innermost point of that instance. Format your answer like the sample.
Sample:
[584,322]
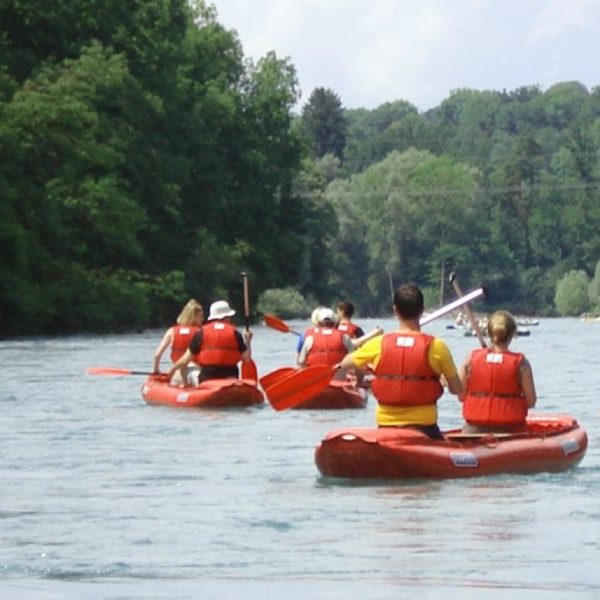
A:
[218,347]
[324,344]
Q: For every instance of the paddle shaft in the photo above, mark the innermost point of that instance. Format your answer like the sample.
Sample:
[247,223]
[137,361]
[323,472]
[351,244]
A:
[246,300]
[278,324]
[472,319]
[249,370]
[444,310]
[115,371]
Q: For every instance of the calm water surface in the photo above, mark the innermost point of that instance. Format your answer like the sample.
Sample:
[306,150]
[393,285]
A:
[103,496]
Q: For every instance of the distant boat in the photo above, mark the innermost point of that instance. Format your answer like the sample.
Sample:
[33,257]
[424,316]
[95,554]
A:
[528,322]
[590,318]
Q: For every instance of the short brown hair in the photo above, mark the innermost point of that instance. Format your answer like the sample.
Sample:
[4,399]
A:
[347,308]
[409,301]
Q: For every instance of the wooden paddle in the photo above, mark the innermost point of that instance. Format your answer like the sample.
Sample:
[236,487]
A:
[306,383]
[472,319]
[300,386]
[278,324]
[249,370]
[116,371]
[273,377]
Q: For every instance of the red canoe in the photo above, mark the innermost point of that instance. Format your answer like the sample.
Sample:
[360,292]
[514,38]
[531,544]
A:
[551,443]
[211,393]
[337,395]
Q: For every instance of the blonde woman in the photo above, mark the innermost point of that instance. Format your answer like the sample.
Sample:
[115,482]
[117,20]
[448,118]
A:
[180,335]
[499,386]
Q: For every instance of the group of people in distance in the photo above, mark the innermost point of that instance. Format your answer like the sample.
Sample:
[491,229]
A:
[410,367]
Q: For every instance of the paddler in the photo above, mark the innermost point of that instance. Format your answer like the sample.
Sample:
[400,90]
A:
[324,344]
[499,386]
[179,336]
[409,366]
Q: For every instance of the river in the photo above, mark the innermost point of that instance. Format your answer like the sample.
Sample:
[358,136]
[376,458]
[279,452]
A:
[105,497]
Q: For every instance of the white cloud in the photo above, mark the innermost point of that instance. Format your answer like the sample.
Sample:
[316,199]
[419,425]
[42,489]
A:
[560,16]
[375,51]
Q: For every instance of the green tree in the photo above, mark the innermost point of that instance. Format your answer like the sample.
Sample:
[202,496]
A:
[64,159]
[372,135]
[594,289]
[401,220]
[324,123]
[571,296]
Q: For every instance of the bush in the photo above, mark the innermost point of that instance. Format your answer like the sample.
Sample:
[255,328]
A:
[594,290]
[571,296]
[286,303]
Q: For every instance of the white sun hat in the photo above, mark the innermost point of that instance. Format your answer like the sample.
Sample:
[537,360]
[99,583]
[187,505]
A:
[219,310]
[324,315]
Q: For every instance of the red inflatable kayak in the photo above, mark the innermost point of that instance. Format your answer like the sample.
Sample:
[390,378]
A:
[337,395]
[550,443]
[211,393]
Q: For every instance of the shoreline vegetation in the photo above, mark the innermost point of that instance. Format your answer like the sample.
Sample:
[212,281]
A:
[146,161]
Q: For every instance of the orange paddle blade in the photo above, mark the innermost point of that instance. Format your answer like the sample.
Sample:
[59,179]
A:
[277,323]
[272,378]
[299,386]
[114,371]
[249,370]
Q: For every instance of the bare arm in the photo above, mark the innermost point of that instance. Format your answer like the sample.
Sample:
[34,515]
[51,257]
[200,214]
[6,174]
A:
[247,355]
[182,362]
[347,362]
[303,354]
[463,374]
[527,384]
[455,386]
[164,344]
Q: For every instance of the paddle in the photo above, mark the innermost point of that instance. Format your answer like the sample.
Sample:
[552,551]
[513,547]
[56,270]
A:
[472,319]
[276,323]
[249,370]
[358,342]
[115,371]
[299,386]
[448,308]
[273,377]
[305,383]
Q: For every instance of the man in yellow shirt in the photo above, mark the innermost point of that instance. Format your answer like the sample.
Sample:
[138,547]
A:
[408,365]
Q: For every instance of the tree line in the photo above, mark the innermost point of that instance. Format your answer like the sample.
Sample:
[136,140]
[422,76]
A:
[145,160]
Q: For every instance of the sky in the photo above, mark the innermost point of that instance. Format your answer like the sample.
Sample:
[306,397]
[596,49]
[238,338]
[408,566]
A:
[374,51]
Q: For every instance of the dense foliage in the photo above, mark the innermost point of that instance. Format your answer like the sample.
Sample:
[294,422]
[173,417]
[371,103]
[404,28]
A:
[145,160]
[524,213]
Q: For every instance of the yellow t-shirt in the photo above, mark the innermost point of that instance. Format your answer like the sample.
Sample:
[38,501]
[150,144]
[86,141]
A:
[441,362]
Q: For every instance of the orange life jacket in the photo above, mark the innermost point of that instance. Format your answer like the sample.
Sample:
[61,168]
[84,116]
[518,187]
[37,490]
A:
[327,348]
[309,331]
[348,328]
[219,346]
[403,376]
[494,395]
[182,336]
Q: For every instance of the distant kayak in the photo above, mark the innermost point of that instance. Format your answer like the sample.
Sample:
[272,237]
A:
[550,443]
[212,393]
